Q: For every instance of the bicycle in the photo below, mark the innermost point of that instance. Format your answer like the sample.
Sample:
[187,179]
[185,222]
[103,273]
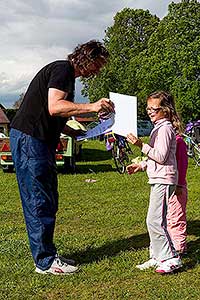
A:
[192,139]
[120,150]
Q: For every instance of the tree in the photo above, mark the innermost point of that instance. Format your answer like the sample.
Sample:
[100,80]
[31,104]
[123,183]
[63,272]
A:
[10,112]
[172,60]
[124,40]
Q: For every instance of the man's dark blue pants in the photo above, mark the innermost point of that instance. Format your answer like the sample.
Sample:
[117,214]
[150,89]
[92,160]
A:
[35,167]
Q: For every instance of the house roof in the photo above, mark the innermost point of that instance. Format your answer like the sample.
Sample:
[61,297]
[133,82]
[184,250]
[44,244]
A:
[3,118]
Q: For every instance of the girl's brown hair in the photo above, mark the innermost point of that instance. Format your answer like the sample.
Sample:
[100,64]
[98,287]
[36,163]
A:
[167,104]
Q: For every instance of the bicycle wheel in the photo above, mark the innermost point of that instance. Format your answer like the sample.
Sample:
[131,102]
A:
[128,148]
[196,154]
[120,158]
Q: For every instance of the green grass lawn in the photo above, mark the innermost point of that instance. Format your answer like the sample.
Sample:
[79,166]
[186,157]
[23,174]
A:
[102,226]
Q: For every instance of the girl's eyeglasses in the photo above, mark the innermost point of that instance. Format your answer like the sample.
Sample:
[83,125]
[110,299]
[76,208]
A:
[153,109]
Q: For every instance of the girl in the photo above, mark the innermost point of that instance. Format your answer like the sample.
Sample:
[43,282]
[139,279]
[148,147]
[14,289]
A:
[162,172]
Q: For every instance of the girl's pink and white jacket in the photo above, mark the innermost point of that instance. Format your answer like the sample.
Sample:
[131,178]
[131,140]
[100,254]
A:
[161,151]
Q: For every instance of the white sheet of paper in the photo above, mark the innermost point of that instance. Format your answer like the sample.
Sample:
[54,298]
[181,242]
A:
[125,114]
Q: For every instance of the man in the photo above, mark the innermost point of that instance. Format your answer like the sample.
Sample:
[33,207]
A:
[34,135]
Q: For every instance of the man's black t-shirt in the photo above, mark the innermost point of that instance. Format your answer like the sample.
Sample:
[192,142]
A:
[33,117]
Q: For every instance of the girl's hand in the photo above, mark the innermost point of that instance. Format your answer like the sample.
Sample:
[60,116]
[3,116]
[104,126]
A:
[133,168]
[134,140]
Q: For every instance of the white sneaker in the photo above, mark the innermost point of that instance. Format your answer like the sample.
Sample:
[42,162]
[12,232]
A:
[169,265]
[152,262]
[58,267]
[68,261]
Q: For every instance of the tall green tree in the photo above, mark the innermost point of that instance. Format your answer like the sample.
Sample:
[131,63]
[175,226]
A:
[124,40]
[172,58]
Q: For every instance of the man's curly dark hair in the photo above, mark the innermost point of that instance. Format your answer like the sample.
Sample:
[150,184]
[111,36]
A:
[89,52]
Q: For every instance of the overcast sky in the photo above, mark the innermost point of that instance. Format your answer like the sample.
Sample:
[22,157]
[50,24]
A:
[34,33]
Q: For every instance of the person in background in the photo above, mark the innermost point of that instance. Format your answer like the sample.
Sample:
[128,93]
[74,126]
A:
[176,216]
[35,133]
[162,172]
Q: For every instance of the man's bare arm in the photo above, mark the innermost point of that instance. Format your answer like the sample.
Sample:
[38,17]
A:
[59,107]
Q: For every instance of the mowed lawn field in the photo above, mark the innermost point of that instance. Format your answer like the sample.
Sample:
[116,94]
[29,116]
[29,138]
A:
[102,226]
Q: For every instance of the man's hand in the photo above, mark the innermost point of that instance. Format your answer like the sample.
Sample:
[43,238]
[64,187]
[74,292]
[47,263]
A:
[104,105]
[133,168]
